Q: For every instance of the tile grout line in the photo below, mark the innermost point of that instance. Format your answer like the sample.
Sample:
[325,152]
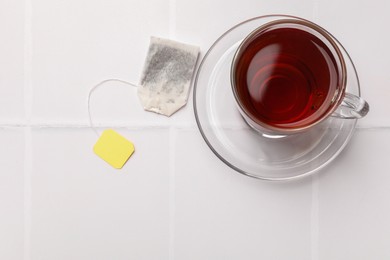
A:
[27,193]
[315,221]
[172,210]
[135,126]
[27,131]
[28,62]
[104,125]
[314,216]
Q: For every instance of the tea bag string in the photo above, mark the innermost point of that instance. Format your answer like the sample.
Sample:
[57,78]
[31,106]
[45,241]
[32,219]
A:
[95,87]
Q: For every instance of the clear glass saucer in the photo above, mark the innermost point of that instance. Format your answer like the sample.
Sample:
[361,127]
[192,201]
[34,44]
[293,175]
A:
[242,148]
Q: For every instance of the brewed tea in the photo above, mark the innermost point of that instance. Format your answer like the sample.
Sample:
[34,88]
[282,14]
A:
[284,75]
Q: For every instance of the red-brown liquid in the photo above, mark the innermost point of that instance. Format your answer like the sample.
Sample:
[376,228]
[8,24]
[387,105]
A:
[284,76]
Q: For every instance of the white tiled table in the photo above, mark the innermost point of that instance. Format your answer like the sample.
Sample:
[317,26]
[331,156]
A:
[174,199]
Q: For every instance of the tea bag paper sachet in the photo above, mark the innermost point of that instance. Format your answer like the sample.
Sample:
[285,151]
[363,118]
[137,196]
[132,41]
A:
[167,74]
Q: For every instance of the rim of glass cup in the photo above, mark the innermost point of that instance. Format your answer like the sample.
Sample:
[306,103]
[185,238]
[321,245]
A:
[308,173]
[319,115]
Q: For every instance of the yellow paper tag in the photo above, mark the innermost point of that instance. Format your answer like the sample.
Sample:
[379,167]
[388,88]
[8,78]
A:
[113,148]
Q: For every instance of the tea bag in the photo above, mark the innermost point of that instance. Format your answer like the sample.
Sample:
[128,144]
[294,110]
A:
[167,74]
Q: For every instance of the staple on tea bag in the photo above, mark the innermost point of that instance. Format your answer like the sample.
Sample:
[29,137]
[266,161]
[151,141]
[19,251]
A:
[167,74]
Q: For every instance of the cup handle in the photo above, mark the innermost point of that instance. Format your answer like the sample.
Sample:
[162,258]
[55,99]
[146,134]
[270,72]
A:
[352,107]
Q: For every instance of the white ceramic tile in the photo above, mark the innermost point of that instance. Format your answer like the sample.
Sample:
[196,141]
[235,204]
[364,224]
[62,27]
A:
[220,214]
[84,209]
[361,27]
[11,61]
[76,44]
[11,194]
[354,209]
[202,22]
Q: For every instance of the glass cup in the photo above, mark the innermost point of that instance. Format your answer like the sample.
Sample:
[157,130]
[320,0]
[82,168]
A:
[289,75]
